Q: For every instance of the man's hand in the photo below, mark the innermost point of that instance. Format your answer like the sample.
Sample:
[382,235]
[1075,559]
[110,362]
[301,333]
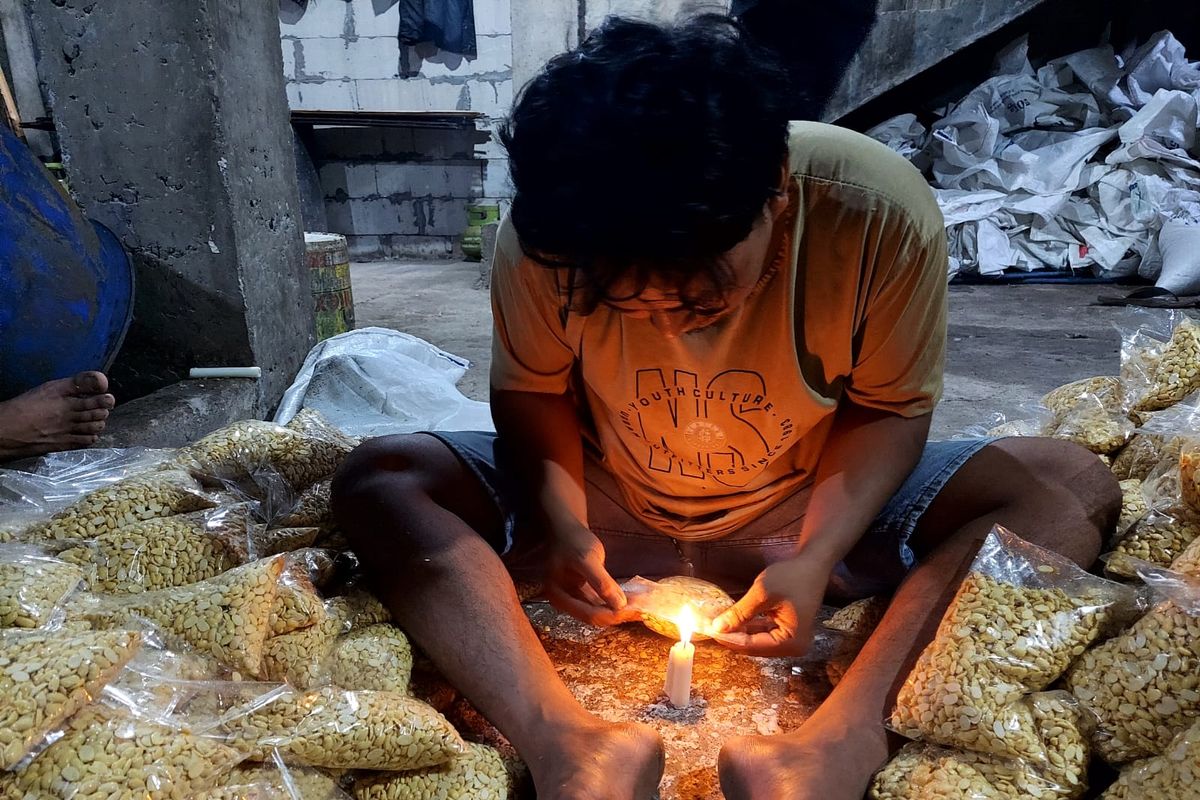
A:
[787,594]
[577,582]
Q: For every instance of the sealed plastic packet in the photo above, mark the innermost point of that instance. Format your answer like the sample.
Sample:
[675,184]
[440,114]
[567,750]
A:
[1134,505]
[1173,775]
[1021,616]
[33,586]
[165,552]
[1143,686]
[1028,420]
[146,496]
[311,508]
[347,730]
[1159,374]
[855,623]
[227,617]
[1090,412]
[303,455]
[104,755]
[297,603]
[375,657]
[479,773]
[1145,451]
[46,676]
[661,602]
[928,771]
[301,657]
[275,780]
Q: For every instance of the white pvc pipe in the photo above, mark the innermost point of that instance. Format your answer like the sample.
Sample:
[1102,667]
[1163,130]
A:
[225,372]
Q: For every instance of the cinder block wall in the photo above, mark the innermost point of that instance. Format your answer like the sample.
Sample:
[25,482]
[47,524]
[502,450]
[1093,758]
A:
[398,191]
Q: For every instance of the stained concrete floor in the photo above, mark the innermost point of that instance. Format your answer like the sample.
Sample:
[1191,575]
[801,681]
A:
[1008,344]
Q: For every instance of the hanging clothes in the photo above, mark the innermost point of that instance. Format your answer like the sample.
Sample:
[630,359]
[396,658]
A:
[449,24]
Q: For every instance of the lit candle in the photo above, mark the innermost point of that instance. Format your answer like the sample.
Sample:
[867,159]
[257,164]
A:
[679,666]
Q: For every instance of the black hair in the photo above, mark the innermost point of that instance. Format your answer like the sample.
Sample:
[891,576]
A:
[650,150]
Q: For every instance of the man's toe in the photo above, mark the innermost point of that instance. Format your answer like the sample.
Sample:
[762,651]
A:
[89,383]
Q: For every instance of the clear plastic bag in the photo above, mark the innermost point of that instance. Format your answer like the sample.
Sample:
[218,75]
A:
[33,586]
[1020,618]
[661,603]
[1027,420]
[59,479]
[302,657]
[297,603]
[1159,538]
[1160,360]
[103,755]
[145,496]
[479,774]
[1143,686]
[1173,775]
[276,781]
[46,676]
[310,509]
[1095,423]
[1145,451]
[1134,505]
[303,452]
[226,617]
[374,657]
[347,730]
[922,771]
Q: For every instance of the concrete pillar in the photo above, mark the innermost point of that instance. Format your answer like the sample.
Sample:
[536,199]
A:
[173,122]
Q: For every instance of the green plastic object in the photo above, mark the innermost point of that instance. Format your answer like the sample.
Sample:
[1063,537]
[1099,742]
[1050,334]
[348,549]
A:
[478,215]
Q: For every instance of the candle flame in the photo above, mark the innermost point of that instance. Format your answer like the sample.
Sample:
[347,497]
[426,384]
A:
[686,622]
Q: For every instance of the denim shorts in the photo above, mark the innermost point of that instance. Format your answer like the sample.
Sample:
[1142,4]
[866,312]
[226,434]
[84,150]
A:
[875,565]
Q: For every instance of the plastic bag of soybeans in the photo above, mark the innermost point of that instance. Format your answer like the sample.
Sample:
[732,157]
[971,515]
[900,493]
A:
[478,774]
[335,729]
[921,771]
[1143,686]
[146,496]
[303,452]
[46,676]
[105,755]
[301,657]
[33,586]
[1092,423]
[1160,360]
[1020,618]
[275,780]
[227,617]
[1174,775]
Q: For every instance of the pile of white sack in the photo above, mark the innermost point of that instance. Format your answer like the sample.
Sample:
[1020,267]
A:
[1090,163]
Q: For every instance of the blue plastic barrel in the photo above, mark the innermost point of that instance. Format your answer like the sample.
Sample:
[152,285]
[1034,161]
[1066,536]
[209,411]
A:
[66,285]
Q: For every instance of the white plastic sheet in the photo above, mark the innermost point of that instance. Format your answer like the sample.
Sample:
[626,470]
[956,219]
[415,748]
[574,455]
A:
[1077,165]
[375,381]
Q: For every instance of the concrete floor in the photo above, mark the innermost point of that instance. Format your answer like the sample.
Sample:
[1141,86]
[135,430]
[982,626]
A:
[1008,344]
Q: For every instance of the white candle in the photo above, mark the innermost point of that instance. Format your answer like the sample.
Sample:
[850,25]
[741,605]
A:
[679,666]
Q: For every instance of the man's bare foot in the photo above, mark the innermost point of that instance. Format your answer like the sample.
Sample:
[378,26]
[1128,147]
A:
[65,414]
[600,761]
[829,758]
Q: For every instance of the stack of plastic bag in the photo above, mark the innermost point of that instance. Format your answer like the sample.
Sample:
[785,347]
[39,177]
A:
[1088,163]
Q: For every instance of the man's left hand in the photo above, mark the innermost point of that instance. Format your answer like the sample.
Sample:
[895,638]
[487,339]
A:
[785,598]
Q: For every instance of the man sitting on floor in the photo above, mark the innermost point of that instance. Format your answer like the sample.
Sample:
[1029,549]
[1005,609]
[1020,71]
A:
[718,342]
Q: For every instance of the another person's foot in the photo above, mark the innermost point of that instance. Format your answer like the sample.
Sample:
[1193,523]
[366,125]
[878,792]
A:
[601,761]
[828,758]
[65,414]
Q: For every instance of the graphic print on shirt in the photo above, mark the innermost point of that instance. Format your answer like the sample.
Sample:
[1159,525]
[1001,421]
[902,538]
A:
[722,429]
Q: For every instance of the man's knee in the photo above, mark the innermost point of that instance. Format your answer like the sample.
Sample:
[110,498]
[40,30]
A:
[1072,481]
[378,478]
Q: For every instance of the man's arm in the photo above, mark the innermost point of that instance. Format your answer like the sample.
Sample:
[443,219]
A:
[546,449]
[868,455]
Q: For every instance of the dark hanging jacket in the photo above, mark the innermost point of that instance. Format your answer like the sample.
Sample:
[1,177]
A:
[449,24]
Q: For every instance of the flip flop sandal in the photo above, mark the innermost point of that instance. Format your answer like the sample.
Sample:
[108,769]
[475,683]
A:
[1149,297]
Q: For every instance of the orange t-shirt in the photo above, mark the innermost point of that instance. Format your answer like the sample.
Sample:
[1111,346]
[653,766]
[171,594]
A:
[707,431]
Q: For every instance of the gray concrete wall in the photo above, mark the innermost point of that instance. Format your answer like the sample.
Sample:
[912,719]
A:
[399,191]
[911,36]
[174,129]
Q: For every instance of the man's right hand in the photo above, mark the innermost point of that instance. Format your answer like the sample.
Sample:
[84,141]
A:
[577,582]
